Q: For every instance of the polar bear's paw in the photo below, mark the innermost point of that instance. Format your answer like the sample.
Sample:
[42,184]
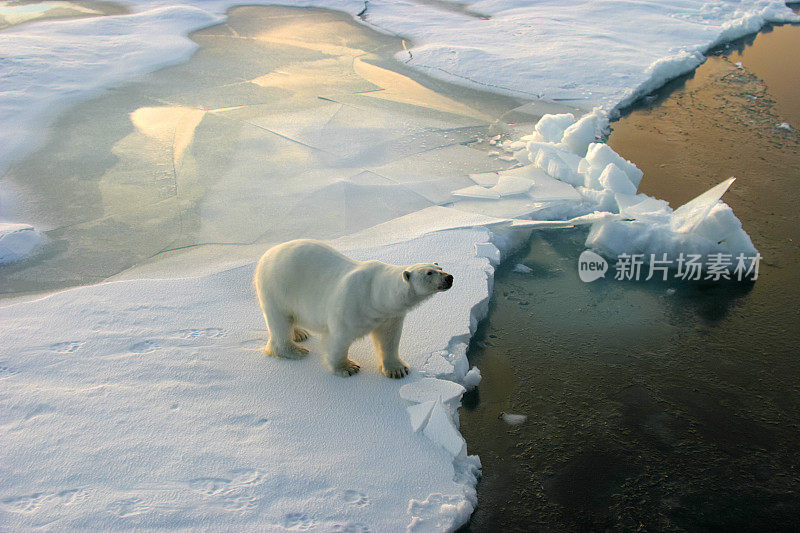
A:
[299,335]
[347,368]
[397,370]
[291,351]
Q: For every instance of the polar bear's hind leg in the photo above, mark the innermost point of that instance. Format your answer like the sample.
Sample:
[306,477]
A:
[280,330]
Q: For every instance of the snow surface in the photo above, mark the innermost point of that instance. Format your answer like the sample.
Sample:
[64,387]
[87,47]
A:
[147,404]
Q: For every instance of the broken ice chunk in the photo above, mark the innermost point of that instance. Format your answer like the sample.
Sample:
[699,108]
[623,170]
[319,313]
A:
[599,155]
[17,241]
[616,180]
[556,161]
[441,430]
[485,179]
[522,156]
[580,135]
[419,413]
[642,207]
[509,185]
[512,419]
[690,214]
[522,269]
[472,378]
[551,127]
[428,389]
[476,191]
[437,365]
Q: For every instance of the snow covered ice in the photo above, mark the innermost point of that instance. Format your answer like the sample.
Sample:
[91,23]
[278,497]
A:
[145,402]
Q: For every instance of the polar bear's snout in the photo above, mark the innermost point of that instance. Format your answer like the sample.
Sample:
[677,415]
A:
[446,283]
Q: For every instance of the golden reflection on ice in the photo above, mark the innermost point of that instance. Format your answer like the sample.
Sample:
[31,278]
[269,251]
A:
[285,123]
[14,13]
[170,125]
[325,37]
[402,89]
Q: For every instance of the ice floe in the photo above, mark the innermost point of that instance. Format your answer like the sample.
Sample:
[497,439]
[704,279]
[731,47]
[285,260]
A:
[512,419]
[17,241]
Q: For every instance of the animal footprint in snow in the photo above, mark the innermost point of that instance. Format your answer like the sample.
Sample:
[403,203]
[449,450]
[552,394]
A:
[240,503]
[127,507]
[32,502]
[239,482]
[246,477]
[350,527]
[24,504]
[298,521]
[199,334]
[144,346]
[353,497]
[66,347]
[210,486]
[6,371]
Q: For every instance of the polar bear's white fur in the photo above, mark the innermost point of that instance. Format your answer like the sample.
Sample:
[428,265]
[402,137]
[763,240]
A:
[307,285]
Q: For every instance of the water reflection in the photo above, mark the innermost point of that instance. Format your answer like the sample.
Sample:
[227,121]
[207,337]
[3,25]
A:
[650,409]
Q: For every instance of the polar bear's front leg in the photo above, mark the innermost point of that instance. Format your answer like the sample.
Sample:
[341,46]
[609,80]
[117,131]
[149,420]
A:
[386,339]
[337,346]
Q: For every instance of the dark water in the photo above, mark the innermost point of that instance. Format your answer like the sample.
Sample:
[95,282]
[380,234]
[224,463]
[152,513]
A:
[658,406]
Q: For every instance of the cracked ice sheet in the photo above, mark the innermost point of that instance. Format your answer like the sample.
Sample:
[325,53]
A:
[591,53]
[148,404]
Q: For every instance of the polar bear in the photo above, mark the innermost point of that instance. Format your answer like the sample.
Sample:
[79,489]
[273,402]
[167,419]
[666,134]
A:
[307,285]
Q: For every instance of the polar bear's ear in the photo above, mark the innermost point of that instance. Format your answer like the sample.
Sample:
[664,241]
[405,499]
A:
[437,264]
[406,275]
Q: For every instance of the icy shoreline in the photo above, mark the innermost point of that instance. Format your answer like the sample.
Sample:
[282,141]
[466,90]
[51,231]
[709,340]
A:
[92,344]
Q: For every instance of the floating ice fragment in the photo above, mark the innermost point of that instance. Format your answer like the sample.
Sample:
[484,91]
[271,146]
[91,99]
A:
[419,413]
[522,269]
[441,430]
[671,291]
[472,378]
[784,126]
[690,214]
[428,389]
[512,419]
[17,241]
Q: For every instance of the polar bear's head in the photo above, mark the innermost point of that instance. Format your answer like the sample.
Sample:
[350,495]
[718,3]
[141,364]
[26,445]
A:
[427,278]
